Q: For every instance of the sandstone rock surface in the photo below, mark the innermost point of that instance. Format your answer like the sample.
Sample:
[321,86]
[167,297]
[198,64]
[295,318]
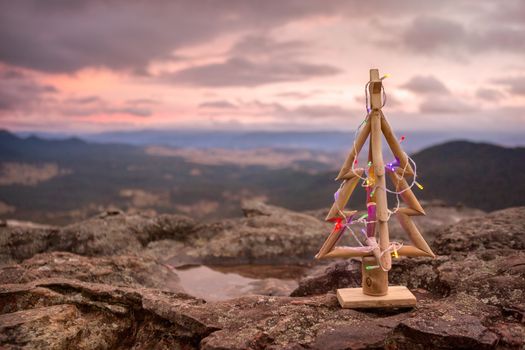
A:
[63,313]
[93,296]
[107,234]
[266,235]
[118,270]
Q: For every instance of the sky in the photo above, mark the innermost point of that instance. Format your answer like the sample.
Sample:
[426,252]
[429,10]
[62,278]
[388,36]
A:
[105,65]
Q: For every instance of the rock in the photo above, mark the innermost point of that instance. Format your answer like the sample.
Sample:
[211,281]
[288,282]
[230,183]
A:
[119,233]
[24,224]
[251,208]
[115,294]
[511,334]
[452,323]
[106,234]
[437,216]
[486,258]
[502,229]
[119,270]
[68,314]
[269,235]
[419,273]
[164,226]
[59,327]
[494,279]
[341,274]
[19,243]
[63,313]
[171,252]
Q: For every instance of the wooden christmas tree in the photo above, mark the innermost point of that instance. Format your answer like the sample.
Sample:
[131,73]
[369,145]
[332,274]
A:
[376,250]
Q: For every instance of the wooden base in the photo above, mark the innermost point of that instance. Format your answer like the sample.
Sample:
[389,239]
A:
[354,298]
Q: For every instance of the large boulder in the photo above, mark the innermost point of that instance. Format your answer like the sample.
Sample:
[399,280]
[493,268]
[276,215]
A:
[134,271]
[115,233]
[267,234]
[502,229]
[19,243]
[69,314]
[106,234]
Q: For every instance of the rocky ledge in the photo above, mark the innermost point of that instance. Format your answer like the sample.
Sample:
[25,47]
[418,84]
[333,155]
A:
[104,284]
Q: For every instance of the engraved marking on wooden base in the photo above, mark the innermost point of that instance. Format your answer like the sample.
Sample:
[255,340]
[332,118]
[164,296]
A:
[354,298]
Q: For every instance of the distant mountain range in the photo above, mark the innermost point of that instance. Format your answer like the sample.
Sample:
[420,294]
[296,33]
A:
[58,181]
[34,148]
[479,175]
[328,141]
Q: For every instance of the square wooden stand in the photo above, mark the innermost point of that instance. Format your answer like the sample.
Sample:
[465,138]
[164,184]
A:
[354,298]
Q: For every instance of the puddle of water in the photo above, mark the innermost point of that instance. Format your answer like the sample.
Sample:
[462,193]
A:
[214,283]
[287,272]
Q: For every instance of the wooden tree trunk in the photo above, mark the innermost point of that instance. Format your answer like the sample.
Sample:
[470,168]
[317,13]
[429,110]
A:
[379,281]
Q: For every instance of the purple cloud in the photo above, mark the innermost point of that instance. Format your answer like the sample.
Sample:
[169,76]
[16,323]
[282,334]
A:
[242,72]
[425,85]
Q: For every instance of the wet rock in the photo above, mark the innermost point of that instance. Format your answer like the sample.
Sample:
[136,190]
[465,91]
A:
[273,287]
[119,270]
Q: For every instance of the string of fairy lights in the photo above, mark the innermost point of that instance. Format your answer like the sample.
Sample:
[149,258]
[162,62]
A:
[368,182]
